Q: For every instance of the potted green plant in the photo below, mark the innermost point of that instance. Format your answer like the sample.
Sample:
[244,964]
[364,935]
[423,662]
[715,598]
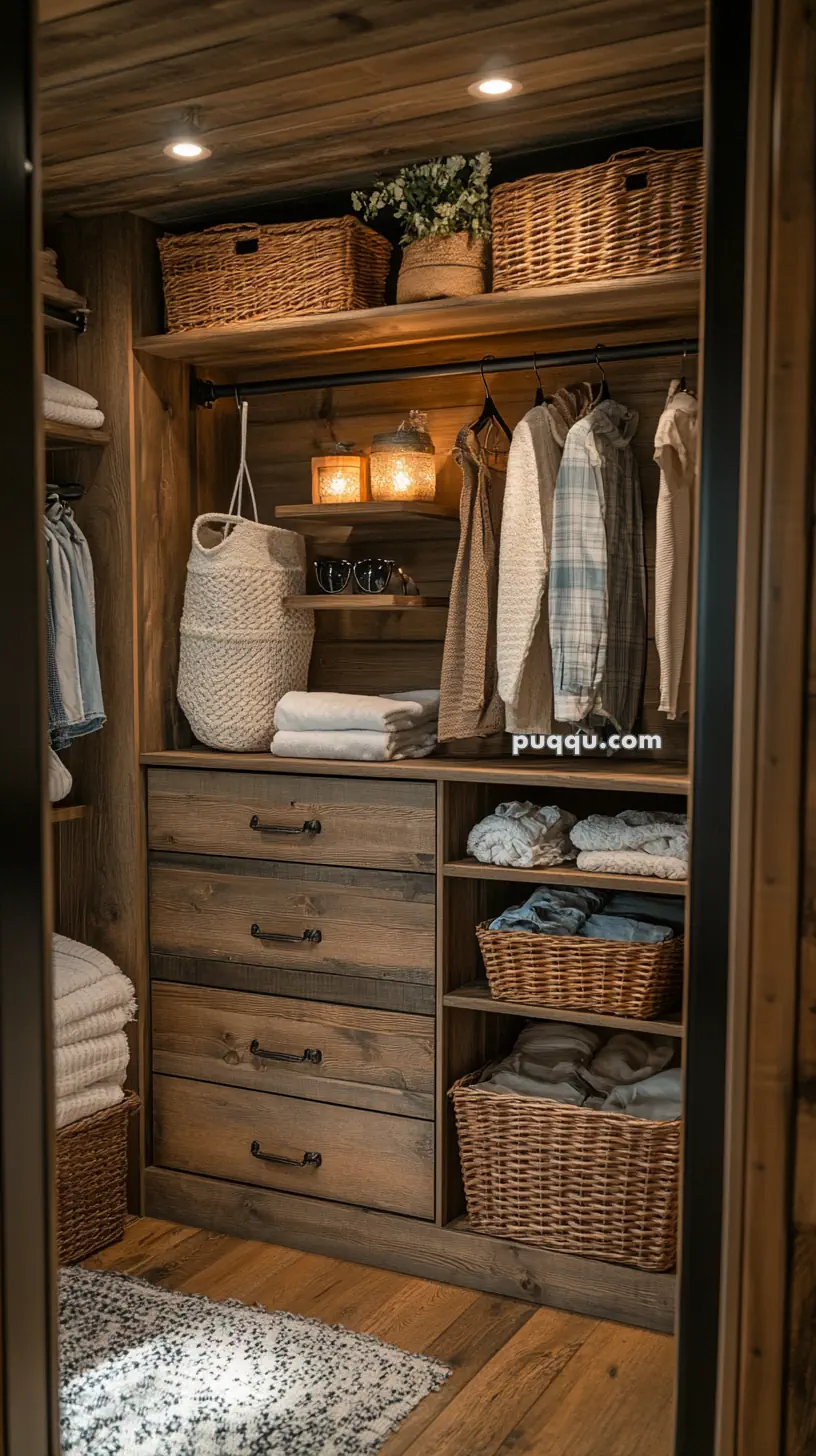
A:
[444,212]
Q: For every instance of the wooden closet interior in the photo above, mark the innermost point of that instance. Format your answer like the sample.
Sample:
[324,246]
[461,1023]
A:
[157,862]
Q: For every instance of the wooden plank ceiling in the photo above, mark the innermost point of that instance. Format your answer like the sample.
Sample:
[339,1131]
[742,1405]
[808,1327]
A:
[315,95]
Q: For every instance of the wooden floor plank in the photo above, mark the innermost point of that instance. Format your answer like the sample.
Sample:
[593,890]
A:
[418,1313]
[613,1399]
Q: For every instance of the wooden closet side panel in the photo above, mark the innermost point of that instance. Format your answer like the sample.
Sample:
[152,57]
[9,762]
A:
[113,261]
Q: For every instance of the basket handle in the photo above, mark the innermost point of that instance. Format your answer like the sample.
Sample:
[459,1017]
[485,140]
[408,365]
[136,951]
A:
[237,499]
[632,154]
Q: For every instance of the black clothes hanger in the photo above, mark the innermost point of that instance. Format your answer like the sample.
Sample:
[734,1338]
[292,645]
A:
[490,413]
[66,492]
[603,392]
[540,397]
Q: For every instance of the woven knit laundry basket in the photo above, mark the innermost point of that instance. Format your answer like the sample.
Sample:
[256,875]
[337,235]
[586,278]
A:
[92,1181]
[244,273]
[600,1184]
[241,647]
[615,977]
[640,212]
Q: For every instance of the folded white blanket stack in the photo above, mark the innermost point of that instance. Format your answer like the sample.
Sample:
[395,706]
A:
[93,1001]
[523,834]
[355,726]
[70,406]
[636,842]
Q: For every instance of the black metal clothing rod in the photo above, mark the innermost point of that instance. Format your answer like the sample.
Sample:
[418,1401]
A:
[205,392]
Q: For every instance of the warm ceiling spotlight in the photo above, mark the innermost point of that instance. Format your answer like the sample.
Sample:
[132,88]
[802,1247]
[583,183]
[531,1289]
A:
[186,144]
[495,87]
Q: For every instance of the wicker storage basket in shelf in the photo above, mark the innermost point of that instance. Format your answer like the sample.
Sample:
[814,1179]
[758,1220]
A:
[640,212]
[600,1184]
[244,273]
[616,977]
[92,1181]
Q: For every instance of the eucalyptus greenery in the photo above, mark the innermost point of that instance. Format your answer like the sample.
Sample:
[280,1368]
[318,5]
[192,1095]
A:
[433,199]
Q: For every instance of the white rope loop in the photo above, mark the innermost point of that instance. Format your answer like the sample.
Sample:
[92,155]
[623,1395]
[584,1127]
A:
[237,500]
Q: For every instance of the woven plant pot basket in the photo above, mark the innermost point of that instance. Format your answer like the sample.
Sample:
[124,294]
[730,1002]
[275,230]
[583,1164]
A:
[640,212]
[92,1181]
[600,1184]
[618,978]
[442,267]
[244,273]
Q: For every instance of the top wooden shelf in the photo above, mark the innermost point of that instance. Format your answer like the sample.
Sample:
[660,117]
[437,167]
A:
[361,513]
[628,304]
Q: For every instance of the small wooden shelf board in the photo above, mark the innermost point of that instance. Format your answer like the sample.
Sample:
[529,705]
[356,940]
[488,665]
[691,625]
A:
[71,437]
[362,513]
[348,602]
[475,996]
[471,869]
[66,813]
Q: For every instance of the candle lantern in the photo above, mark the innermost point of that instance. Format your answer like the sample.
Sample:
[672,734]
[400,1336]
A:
[402,462]
[339,478]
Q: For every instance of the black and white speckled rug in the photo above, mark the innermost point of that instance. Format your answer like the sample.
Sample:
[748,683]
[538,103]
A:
[147,1372]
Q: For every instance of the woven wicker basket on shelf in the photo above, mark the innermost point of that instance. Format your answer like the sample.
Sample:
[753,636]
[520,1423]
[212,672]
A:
[640,212]
[92,1180]
[244,273]
[600,1184]
[616,977]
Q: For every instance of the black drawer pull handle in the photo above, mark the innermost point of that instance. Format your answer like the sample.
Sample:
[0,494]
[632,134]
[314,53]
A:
[256,1050]
[309,1160]
[311,826]
[313,937]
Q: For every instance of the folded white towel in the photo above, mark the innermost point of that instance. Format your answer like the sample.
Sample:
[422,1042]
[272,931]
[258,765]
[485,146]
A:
[632,862]
[83,1104]
[76,965]
[59,779]
[368,747]
[69,414]
[649,830]
[103,1059]
[99,1023]
[334,712]
[62,393]
[111,993]
[523,834]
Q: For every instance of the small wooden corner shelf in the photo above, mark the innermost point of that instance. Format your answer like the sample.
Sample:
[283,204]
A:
[72,437]
[346,602]
[69,813]
[475,996]
[471,869]
[367,513]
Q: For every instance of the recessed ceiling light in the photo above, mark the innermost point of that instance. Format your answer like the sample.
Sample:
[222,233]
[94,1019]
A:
[493,88]
[185,143]
[187,151]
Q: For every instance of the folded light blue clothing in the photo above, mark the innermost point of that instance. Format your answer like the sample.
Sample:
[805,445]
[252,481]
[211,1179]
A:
[658,1098]
[551,912]
[655,909]
[623,927]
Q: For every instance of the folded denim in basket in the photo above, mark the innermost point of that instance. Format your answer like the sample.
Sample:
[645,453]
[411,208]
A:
[580,912]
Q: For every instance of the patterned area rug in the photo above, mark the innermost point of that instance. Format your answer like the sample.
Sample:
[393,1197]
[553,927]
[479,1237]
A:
[147,1371]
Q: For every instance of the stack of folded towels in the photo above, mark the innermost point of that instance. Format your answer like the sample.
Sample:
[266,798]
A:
[646,919]
[351,725]
[619,1073]
[92,1002]
[70,406]
[636,842]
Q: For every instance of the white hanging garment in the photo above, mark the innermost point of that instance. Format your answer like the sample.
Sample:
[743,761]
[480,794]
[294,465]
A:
[676,454]
[241,648]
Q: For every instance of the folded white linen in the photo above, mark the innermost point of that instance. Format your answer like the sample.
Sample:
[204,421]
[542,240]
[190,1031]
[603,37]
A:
[61,393]
[99,1023]
[524,834]
[334,712]
[84,1104]
[633,862]
[76,965]
[111,993]
[649,830]
[102,1059]
[60,781]
[369,747]
[69,414]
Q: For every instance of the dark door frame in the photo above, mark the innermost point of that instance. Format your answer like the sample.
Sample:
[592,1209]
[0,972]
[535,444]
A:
[28,1363]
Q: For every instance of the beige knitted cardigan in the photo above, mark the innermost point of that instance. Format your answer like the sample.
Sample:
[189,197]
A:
[469,703]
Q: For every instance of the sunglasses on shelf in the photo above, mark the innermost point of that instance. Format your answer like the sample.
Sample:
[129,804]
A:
[372,575]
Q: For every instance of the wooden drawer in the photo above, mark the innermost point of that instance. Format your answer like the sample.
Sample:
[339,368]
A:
[366,1158]
[377,823]
[364,922]
[379,1060]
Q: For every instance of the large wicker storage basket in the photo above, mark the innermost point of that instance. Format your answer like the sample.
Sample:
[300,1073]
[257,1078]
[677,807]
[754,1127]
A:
[244,273]
[616,977]
[600,1184]
[92,1180]
[640,212]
